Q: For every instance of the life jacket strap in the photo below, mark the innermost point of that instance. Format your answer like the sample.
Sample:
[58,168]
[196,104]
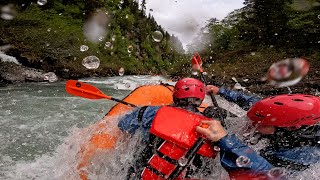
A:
[170,160]
[155,171]
[141,112]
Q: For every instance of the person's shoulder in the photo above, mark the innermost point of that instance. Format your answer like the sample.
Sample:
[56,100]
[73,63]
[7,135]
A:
[151,108]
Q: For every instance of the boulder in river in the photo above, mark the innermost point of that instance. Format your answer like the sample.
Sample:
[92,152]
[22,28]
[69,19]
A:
[14,73]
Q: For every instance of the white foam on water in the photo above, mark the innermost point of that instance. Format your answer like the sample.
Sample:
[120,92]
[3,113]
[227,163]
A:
[7,58]
[129,82]
[110,164]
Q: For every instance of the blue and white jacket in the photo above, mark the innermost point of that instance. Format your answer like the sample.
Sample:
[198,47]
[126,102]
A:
[230,146]
[299,156]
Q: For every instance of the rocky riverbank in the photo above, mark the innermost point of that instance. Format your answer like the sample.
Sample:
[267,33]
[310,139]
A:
[11,73]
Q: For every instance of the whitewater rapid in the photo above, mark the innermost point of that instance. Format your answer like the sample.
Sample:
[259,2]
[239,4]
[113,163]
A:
[42,129]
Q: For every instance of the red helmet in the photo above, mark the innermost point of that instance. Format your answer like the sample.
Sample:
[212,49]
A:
[189,88]
[290,110]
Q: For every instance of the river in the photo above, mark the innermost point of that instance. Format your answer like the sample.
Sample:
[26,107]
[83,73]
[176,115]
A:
[41,127]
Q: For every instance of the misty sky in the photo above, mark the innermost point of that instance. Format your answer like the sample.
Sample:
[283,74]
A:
[184,18]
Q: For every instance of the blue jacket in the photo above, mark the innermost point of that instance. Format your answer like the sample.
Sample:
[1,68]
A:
[231,147]
[238,97]
[303,156]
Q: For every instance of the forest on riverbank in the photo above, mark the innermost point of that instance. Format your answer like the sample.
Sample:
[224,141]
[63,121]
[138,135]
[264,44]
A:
[49,37]
[243,45]
[246,42]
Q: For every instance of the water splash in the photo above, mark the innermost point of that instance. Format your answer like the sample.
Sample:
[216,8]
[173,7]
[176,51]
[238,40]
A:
[121,71]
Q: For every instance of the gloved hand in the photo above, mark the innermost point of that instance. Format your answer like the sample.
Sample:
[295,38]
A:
[212,88]
[212,130]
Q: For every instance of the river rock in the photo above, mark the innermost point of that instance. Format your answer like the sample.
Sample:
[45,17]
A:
[13,73]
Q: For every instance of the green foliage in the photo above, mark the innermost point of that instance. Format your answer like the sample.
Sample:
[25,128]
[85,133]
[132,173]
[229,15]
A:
[49,37]
[261,32]
[259,25]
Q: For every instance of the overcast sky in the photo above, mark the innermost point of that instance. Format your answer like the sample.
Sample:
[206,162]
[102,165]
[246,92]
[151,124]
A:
[184,18]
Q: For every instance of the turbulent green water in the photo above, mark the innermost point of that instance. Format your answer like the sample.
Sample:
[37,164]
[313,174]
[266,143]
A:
[34,118]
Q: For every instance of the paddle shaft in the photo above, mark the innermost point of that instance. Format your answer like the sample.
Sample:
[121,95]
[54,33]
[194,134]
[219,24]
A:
[97,93]
[123,102]
[214,101]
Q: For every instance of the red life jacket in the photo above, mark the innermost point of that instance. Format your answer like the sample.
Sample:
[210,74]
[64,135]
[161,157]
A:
[177,128]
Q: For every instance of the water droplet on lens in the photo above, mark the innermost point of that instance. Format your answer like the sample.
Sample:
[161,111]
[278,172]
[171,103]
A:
[101,38]
[242,161]
[91,62]
[42,2]
[113,38]
[121,71]
[287,72]
[94,28]
[216,148]
[8,12]
[107,45]
[183,161]
[276,173]
[130,49]
[84,48]
[206,31]
[194,73]
[157,36]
